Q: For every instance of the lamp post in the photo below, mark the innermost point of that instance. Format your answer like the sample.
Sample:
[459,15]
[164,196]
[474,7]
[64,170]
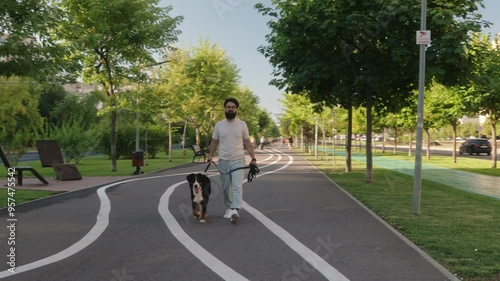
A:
[138,153]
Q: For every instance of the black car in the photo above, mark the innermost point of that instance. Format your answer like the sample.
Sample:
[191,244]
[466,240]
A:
[475,146]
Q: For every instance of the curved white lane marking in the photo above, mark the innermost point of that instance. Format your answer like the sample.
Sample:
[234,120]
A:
[198,251]
[213,263]
[307,254]
[101,224]
[221,268]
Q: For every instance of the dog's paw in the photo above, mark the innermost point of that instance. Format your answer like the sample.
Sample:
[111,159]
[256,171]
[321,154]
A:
[203,221]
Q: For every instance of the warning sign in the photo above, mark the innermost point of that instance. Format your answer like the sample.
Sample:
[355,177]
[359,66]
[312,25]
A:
[423,37]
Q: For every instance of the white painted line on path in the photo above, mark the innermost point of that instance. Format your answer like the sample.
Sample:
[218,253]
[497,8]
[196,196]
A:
[208,259]
[221,268]
[101,224]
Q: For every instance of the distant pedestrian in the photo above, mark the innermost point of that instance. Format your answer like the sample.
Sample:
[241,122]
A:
[283,140]
[262,142]
[290,142]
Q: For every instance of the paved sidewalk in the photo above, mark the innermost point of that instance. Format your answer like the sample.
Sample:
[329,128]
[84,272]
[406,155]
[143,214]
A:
[472,182]
[72,185]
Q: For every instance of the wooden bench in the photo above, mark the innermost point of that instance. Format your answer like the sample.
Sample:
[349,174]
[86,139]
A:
[51,156]
[18,170]
[198,152]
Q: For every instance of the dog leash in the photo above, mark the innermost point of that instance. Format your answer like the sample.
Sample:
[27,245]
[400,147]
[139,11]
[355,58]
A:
[252,174]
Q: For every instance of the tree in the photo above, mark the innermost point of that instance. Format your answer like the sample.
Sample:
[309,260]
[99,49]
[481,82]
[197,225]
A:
[362,53]
[19,109]
[445,106]
[51,95]
[28,43]
[116,40]
[212,77]
[483,96]
[21,121]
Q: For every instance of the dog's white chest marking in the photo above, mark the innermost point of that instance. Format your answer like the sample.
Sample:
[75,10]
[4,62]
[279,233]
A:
[197,195]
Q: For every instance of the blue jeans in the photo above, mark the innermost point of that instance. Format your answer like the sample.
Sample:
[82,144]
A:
[232,184]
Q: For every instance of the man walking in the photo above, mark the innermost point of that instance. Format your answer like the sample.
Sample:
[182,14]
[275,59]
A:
[232,137]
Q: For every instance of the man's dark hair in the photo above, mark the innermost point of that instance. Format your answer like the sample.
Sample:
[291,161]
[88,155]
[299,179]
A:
[233,100]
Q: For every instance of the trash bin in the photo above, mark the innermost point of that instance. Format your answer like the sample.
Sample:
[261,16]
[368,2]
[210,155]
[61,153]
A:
[138,161]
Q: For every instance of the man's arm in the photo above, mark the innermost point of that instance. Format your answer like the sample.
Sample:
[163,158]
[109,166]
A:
[249,147]
[212,148]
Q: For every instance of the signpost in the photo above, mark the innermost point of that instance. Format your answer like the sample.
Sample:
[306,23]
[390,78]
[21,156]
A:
[423,38]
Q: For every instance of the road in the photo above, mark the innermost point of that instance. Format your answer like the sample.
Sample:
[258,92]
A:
[296,224]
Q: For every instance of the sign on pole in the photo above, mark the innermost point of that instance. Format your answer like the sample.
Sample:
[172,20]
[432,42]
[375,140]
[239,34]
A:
[423,37]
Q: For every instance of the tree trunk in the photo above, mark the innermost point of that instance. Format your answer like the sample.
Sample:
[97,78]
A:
[454,152]
[113,140]
[184,152]
[348,160]
[383,140]
[410,143]
[169,137]
[428,144]
[302,138]
[394,151]
[334,134]
[323,141]
[198,137]
[493,143]
[316,139]
[369,121]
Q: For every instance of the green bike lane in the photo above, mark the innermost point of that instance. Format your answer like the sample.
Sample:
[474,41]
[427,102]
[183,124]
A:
[472,182]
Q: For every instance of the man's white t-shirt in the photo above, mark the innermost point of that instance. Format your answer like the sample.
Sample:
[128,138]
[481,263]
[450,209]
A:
[231,135]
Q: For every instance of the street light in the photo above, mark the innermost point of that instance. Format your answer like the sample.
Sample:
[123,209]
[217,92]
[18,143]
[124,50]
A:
[138,153]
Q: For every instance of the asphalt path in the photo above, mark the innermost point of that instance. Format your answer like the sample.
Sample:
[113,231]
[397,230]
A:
[296,224]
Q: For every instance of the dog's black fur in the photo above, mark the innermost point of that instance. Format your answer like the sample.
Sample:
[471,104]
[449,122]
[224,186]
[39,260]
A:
[201,183]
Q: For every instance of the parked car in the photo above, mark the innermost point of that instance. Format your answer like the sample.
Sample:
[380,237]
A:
[475,146]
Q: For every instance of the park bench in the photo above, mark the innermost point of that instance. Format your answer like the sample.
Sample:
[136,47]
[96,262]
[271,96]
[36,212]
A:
[51,156]
[198,152]
[19,169]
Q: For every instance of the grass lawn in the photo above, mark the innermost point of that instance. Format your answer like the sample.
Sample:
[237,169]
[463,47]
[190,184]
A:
[93,166]
[23,195]
[460,230]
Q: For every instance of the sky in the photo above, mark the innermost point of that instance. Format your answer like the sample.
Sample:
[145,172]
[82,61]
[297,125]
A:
[237,27]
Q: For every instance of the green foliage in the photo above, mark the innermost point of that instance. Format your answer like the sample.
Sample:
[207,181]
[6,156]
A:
[115,40]
[77,106]
[19,111]
[156,138]
[51,95]
[195,83]
[17,145]
[112,36]
[484,95]
[30,43]
[75,137]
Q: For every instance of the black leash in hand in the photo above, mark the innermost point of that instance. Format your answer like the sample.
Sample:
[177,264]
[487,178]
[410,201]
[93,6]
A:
[252,174]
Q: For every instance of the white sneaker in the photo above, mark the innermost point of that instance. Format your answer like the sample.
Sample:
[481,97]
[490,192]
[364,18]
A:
[234,216]
[227,214]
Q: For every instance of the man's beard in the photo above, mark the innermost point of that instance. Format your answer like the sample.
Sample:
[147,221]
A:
[230,115]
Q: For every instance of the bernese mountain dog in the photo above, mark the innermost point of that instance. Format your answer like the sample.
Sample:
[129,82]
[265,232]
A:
[199,185]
